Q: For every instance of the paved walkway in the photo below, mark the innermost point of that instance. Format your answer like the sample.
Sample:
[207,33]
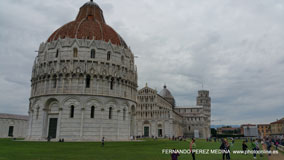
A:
[279,156]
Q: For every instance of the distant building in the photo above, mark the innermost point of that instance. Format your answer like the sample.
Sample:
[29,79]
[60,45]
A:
[249,130]
[263,130]
[155,114]
[158,116]
[12,125]
[228,131]
[277,128]
[197,119]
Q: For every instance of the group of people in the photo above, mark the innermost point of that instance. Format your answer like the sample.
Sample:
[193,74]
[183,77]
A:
[256,145]
[61,140]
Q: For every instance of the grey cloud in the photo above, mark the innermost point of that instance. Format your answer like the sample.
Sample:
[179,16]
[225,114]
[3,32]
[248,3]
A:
[234,47]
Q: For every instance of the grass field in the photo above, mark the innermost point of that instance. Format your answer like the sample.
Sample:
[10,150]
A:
[143,150]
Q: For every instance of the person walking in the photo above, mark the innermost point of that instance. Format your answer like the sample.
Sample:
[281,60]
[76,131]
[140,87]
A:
[276,144]
[222,148]
[174,155]
[244,147]
[268,146]
[261,143]
[227,150]
[192,148]
[254,146]
[103,141]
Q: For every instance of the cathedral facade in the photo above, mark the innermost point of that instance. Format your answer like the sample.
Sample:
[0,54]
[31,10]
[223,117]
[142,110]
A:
[158,116]
[84,88]
[155,116]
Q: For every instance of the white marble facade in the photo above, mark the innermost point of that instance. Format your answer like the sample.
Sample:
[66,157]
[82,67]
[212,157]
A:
[157,115]
[84,82]
[111,118]
[13,126]
[60,81]
[197,119]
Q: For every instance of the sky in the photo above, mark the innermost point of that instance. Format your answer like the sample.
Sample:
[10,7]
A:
[235,48]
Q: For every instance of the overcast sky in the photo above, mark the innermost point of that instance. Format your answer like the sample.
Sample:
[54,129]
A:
[235,47]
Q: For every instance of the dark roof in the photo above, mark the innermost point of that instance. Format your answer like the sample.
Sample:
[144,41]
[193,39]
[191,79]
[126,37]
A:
[13,116]
[278,121]
[166,93]
[89,24]
[248,125]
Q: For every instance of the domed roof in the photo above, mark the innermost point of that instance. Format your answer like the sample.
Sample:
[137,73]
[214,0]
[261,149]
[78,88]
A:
[166,94]
[89,24]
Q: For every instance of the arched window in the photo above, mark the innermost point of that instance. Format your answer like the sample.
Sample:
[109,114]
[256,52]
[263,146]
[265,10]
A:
[88,80]
[108,56]
[124,114]
[54,81]
[110,113]
[92,112]
[93,53]
[111,83]
[37,112]
[72,112]
[75,52]
[57,51]
[122,59]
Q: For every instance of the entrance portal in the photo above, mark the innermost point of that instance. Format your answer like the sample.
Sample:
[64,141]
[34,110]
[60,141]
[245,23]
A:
[160,132]
[146,131]
[11,130]
[52,127]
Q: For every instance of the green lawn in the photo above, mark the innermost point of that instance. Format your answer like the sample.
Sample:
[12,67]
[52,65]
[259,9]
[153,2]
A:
[143,150]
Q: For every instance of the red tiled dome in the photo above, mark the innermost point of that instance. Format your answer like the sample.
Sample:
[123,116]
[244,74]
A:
[89,24]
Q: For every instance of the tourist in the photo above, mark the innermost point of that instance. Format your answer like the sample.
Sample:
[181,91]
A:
[192,148]
[48,139]
[262,146]
[103,141]
[244,146]
[254,146]
[227,150]
[222,148]
[174,155]
[268,146]
[276,144]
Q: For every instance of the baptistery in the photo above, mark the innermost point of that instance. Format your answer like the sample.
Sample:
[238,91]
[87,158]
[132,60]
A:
[84,83]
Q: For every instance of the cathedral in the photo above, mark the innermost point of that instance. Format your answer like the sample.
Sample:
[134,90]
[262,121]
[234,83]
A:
[84,87]
[158,116]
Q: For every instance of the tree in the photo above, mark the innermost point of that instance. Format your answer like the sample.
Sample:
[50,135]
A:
[213,132]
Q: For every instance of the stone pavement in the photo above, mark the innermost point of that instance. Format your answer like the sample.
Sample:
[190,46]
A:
[279,156]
